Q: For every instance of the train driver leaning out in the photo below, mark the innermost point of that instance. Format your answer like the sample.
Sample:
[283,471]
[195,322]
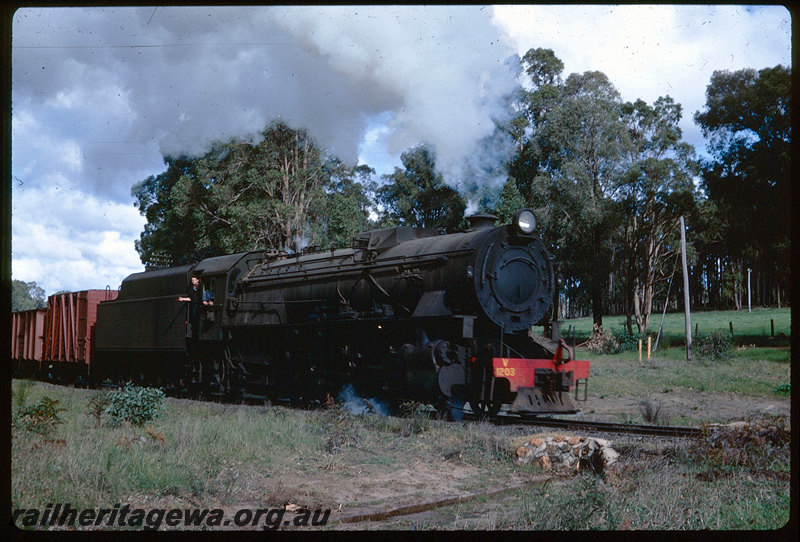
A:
[196,296]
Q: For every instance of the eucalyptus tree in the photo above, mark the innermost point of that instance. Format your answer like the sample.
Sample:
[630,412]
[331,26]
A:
[586,142]
[169,236]
[26,296]
[510,202]
[238,196]
[346,208]
[747,120]
[418,196]
[531,105]
[655,190]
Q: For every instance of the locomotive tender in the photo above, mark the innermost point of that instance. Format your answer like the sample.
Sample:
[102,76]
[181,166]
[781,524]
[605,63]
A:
[404,314]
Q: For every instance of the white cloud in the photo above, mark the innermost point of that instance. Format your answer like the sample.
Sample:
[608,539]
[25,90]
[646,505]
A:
[65,239]
[656,50]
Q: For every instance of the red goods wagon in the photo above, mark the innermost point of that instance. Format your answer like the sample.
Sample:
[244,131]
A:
[27,340]
[69,332]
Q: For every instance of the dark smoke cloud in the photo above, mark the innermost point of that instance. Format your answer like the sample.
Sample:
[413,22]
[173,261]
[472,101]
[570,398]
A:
[124,85]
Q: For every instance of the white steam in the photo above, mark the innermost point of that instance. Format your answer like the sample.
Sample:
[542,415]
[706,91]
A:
[441,70]
[356,404]
[128,83]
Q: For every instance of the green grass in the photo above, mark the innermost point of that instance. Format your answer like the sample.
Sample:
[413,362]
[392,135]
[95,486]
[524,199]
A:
[226,454]
[84,464]
[749,372]
[664,495]
[745,324]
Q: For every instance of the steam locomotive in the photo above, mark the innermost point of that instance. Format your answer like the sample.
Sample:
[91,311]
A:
[404,314]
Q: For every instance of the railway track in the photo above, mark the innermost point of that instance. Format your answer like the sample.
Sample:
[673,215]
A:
[561,423]
[651,430]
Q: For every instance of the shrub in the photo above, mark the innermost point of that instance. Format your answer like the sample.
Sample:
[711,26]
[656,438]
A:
[40,419]
[135,405]
[619,340]
[600,341]
[716,346]
[20,394]
[624,341]
[652,413]
[783,389]
[97,406]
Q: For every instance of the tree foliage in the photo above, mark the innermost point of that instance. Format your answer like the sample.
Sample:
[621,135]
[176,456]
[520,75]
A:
[170,236]
[511,201]
[26,296]
[242,196]
[607,179]
[747,121]
[527,126]
[656,189]
[581,145]
[345,208]
[255,196]
[417,196]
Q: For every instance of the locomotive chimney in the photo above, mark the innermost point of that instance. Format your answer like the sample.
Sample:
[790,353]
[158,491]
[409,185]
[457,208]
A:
[480,222]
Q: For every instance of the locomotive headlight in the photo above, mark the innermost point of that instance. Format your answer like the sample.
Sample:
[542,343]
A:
[525,221]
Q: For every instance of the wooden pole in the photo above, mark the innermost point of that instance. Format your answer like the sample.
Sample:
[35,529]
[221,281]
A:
[686,294]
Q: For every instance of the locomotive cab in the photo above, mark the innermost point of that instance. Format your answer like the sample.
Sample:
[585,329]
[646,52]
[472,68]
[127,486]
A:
[218,277]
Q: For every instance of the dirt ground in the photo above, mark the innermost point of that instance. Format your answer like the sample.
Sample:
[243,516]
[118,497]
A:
[354,483]
[685,404]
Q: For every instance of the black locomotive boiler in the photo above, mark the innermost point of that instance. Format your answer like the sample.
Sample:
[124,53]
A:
[404,314]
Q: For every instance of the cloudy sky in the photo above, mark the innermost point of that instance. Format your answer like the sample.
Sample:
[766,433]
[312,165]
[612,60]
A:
[99,95]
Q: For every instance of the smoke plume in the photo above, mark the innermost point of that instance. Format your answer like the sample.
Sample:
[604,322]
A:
[133,83]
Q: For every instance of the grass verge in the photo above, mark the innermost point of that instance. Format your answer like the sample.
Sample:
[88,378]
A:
[753,372]
[757,325]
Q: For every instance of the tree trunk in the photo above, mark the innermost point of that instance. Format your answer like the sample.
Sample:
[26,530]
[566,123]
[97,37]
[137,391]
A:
[737,286]
[637,307]
[597,306]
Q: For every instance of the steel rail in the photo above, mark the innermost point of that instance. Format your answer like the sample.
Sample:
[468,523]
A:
[407,510]
[610,427]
